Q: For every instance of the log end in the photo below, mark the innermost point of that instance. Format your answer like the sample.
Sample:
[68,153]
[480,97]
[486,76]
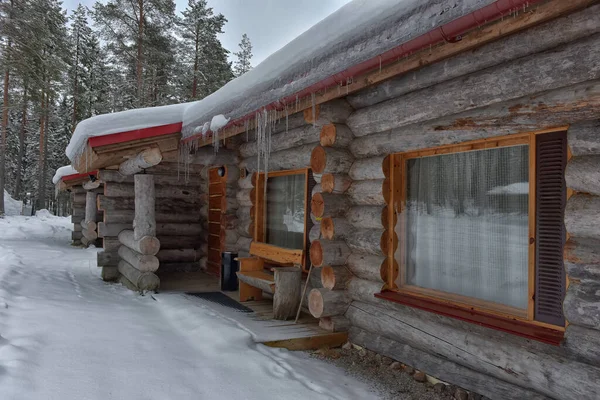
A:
[327,228]
[327,183]
[328,135]
[309,116]
[317,204]
[316,253]
[148,281]
[149,245]
[315,303]
[328,277]
[318,160]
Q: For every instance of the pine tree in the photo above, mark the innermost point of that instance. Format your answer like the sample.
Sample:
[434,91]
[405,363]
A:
[203,58]
[79,34]
[242,65]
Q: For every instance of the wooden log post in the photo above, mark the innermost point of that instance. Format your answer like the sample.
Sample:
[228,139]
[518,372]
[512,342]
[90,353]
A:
[149,245]
[327,303]
[335,135]
[141,280]
[144,222]
[288,291]
[334,324]
[141,262]
[90,211]
[325,252]
[335,183]
[328,160]
[335,278]
[144,159]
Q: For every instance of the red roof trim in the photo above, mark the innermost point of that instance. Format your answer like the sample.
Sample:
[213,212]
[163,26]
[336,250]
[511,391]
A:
[137,134]
[450,32]
[73,177]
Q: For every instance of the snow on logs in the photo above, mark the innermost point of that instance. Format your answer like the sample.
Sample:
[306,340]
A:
[144,159]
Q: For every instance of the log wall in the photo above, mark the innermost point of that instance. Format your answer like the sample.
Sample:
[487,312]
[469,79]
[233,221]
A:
[544,77]
[514,85]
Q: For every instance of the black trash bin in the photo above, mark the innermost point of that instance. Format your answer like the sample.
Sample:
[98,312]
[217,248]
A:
[229,267]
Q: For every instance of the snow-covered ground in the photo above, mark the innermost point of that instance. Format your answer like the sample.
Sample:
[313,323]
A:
[65,334]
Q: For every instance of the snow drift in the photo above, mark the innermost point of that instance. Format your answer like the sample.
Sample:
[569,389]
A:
[12,206]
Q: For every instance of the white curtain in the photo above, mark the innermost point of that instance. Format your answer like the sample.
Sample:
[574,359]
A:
[285,211]
[467,224]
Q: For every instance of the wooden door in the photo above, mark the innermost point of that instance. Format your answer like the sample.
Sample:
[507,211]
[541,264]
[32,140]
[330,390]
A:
[217,204]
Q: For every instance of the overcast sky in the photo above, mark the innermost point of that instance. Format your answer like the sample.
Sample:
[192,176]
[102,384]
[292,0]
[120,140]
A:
[270,24]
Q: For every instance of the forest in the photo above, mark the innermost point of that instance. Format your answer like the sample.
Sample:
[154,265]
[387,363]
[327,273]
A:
[60,67]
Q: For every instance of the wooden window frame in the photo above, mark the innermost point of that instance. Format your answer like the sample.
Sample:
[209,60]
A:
[501,317]
[260,221]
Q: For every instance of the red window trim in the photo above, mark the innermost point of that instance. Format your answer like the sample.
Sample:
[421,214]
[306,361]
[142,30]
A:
[489,320]
[128,136]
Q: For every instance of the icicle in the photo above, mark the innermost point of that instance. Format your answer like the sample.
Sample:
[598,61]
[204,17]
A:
[380,64]
[287,124]
[296,103]
[314,109]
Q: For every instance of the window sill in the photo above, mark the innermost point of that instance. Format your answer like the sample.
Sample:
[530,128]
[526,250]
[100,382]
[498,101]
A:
[489,320]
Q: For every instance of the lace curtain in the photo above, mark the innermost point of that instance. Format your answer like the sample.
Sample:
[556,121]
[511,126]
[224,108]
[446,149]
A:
[285,211]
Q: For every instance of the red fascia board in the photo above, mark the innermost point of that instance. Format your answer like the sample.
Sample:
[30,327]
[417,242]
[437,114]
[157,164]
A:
[121,137]
[73,177]
[450,32]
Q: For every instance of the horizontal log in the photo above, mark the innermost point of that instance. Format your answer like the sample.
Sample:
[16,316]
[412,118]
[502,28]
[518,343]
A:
[113,176]
[178,229]
[334,111]
[207,156]
[110,273]
[244,228]
[586,273]
[244,198]
[300,136]
[89,235]
[141,262]
[76,235]
[79,198]
[582,173]
[111,244]
[146,245]
[334,324]
[327,303]
[582,304]
[367,168]
[114,189]
[525,76]
[176,169]
[107,258]
[163,205]
[335,135]
[583,137]
[181,242]
[366,266]
[366,193]
[243,246]
[141,280]
[88,226]
[144,159]
[77,227]
[582,251]
[335,228]
[170,267]
[546,36]
[564,106]
[295,158]
[582,216]
[365,216]
[583,344]
[126,216]
[440,367]
[507,357]
[246,182]
[328,205]
[105,229]
[335,278]
[327,160]
[335,183]
[179,255]
[326,252]
[243,212]
[365,241]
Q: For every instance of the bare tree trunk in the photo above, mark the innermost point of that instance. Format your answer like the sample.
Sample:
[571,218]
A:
[3,140]
[140,45]
[19,172]
[75,84]
[41,184]
[195,81]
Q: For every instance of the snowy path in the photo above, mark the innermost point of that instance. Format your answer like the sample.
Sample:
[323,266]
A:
[65,334]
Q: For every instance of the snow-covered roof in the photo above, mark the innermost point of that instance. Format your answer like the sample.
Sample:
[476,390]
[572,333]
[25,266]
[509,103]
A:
[357,32]
[62,172]
[513,188]
[123,121]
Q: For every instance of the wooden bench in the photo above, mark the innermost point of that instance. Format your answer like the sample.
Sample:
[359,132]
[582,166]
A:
[273,270]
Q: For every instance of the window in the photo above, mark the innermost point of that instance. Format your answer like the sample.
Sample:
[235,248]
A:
[282,215]
[480,232]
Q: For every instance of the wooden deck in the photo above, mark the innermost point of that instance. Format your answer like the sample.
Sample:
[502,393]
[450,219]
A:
[305,335]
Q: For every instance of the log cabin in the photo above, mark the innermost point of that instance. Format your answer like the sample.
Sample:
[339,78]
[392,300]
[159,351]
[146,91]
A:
[429,183]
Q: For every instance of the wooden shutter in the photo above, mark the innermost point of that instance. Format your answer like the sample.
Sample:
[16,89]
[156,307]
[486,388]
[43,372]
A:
[311,183]
[551,160]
